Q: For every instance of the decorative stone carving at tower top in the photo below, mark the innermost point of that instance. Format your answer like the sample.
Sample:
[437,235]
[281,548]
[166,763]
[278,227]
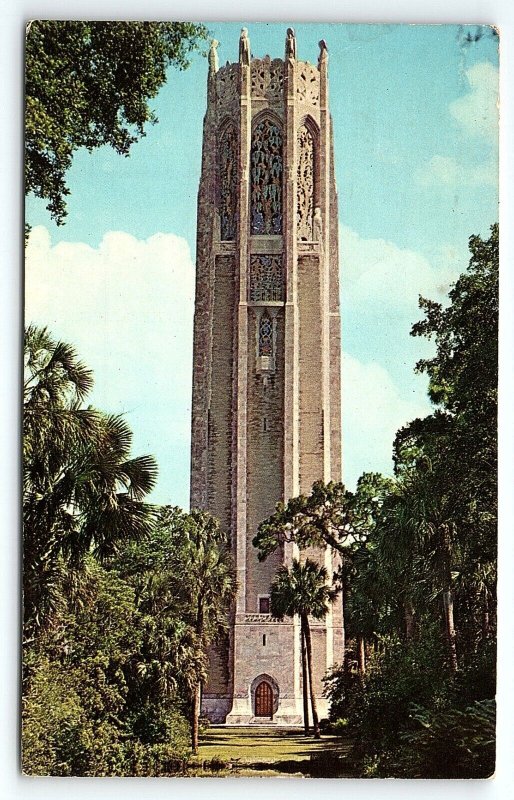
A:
[323,53]
[244,48]
[307,85]
[228,183]
[213,56]
[290,45]
[227,84]
[268,79]
[305,184]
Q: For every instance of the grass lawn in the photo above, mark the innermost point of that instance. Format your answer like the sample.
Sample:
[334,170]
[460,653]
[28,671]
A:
[272,752]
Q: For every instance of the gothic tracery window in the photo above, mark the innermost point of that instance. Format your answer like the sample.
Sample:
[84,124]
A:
[266,279]
[266,179]
[228,183]
[305,184]
[265,335]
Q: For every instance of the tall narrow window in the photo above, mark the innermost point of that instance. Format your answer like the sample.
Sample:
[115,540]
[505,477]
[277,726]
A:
[305,184]
[265,335]
[228,183]
[266,179]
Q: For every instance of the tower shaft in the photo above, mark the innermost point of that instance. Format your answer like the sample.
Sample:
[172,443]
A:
[266,417]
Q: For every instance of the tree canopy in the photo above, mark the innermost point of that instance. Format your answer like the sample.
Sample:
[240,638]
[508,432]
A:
[421,586]
[88,84]
[121,598]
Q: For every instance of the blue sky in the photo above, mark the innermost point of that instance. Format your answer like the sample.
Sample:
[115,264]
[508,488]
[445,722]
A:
[415,124]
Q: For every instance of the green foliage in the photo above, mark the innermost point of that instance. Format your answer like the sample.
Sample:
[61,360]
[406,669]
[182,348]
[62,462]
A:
[409,720]
[69,728]
[75,685]
[452,744]
[301,590]
[57,736]
[87,84]
[340,726]
[82,491]
[420,585]
[121,599]
[464,372]
[107,684]
[329,516]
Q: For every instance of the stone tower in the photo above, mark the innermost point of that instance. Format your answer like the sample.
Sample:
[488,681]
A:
[266,417]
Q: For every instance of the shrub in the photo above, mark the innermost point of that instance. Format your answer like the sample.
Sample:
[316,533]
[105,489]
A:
[452,744]
[340,726]
[59,736]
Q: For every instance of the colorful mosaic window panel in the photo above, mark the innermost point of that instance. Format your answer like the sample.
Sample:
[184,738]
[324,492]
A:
[228,184]
[266,179]
[266,279]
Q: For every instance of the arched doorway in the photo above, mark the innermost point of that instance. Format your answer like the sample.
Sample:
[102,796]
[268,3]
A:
[264,700]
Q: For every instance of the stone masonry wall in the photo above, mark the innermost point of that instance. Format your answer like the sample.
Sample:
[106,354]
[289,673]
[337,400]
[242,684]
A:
[265,455]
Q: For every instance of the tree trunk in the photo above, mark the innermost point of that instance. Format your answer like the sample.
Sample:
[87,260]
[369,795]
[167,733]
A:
[485,616]
[449,623]
[343,600]
[408,615]
[361,648]
[451,635]
[197,696]
[308,644]
[305,686]
[195,717]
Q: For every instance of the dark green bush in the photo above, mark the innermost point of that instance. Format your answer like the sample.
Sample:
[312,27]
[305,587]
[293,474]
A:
[451,744]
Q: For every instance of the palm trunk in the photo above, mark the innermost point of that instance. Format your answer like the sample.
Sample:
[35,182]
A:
[449,624]
[197,695]
[195,717]
[485,616]
[308,646]
[451,635]
[408,615]
[305,686]
[362,656]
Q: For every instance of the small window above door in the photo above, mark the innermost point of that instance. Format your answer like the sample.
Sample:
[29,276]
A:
[264,605]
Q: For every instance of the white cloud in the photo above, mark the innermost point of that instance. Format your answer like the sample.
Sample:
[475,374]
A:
[127,307]
[447,171]
[383,277]
[374,409]
[477,111]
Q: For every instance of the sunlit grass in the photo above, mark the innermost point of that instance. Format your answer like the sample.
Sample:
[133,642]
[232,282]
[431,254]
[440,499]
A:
[265,751]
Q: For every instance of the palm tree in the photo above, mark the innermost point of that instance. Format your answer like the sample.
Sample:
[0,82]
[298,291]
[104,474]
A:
[207,575]
[303,590]
[422,525]
[81,490]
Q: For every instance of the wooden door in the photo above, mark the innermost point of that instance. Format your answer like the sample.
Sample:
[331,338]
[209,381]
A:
[264,700]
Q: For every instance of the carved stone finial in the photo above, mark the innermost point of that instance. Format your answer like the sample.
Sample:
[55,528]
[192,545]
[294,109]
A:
[244,48]
[323,53]
[213,56]
[317,225]
[290,44]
